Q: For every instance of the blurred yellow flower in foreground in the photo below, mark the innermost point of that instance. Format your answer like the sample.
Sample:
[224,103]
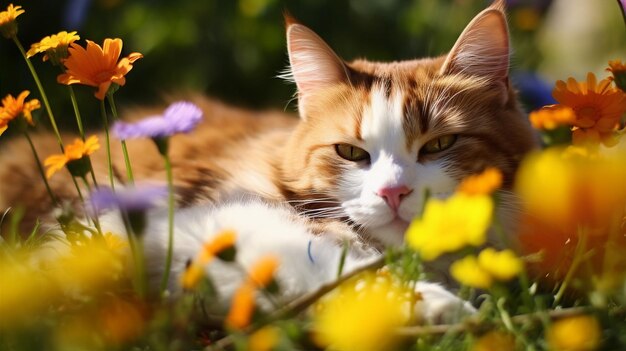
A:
[598,107]
[34,282]
[569,197]
[495,341]
[450,225]
[468,272]
[362,314]
[264,339]
[579,333]
[53,46]
[502,265]
[489,266]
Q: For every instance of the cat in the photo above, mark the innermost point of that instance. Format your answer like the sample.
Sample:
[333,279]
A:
[370,139]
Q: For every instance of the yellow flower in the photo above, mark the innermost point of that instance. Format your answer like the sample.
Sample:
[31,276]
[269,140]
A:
[503,265]
[484,183]
[579,333]
[260,274]
[598,107]
[449,225]
[53,46]
[13,108]
[495,341]
[8,26]
[551,116]
[194,273]
[114,243]
[362,314]
[264,339]
[468,272]
[97,66]
[73,152]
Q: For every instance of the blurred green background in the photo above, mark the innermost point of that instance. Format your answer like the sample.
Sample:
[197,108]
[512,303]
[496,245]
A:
[234,49]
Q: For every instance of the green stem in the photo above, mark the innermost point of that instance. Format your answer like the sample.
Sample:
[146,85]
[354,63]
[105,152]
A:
[136,249]
[42,92]
[170,220]
[578,258]
[96,220]
[79,121]
[81,131]
[40,168]
[129,170]
[108,143]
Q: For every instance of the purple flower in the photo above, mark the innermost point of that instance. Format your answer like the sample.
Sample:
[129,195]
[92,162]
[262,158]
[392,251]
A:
[179,117]
[138,198]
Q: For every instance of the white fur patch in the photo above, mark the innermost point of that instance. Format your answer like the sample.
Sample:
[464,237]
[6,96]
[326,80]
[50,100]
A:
[391,165]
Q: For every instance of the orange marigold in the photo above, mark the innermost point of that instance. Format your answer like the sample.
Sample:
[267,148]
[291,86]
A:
[619,73]
[8,26]
[551,116]
[75,151]
[598,107]
[482,184]
[13,108]
[97,66]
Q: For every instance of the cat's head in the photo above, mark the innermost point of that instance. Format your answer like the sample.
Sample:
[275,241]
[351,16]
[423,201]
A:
[374,136]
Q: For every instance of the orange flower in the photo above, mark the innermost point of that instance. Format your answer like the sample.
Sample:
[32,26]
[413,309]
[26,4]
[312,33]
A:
[8,26]
[260,275]
[551,116]
[222,241]
[619,73]
[75,151]
[97,66]
[53,46]
[482,184]
[262,272]
[13,108]
[598,107]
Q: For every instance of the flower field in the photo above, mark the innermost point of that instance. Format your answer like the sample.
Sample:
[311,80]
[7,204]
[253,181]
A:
[558,283]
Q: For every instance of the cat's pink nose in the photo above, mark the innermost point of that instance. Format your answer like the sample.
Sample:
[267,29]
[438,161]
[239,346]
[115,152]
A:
[393,195]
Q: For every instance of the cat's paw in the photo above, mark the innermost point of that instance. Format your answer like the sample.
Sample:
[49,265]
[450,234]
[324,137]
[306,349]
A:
[440,306]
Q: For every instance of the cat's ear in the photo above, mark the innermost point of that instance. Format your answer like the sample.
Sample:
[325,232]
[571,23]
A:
[483,47]
[313,64]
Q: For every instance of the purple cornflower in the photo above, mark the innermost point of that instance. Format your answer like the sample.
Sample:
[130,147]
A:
[138,198]
[179,117]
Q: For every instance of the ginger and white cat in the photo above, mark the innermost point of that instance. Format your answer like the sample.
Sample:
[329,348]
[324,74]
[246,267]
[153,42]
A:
[371,138]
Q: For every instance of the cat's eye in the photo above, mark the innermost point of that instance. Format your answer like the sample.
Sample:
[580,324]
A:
[439,144]
[351,152]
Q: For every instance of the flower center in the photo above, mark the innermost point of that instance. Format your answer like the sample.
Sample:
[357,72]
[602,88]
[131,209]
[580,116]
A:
[103,76]
[588,112]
